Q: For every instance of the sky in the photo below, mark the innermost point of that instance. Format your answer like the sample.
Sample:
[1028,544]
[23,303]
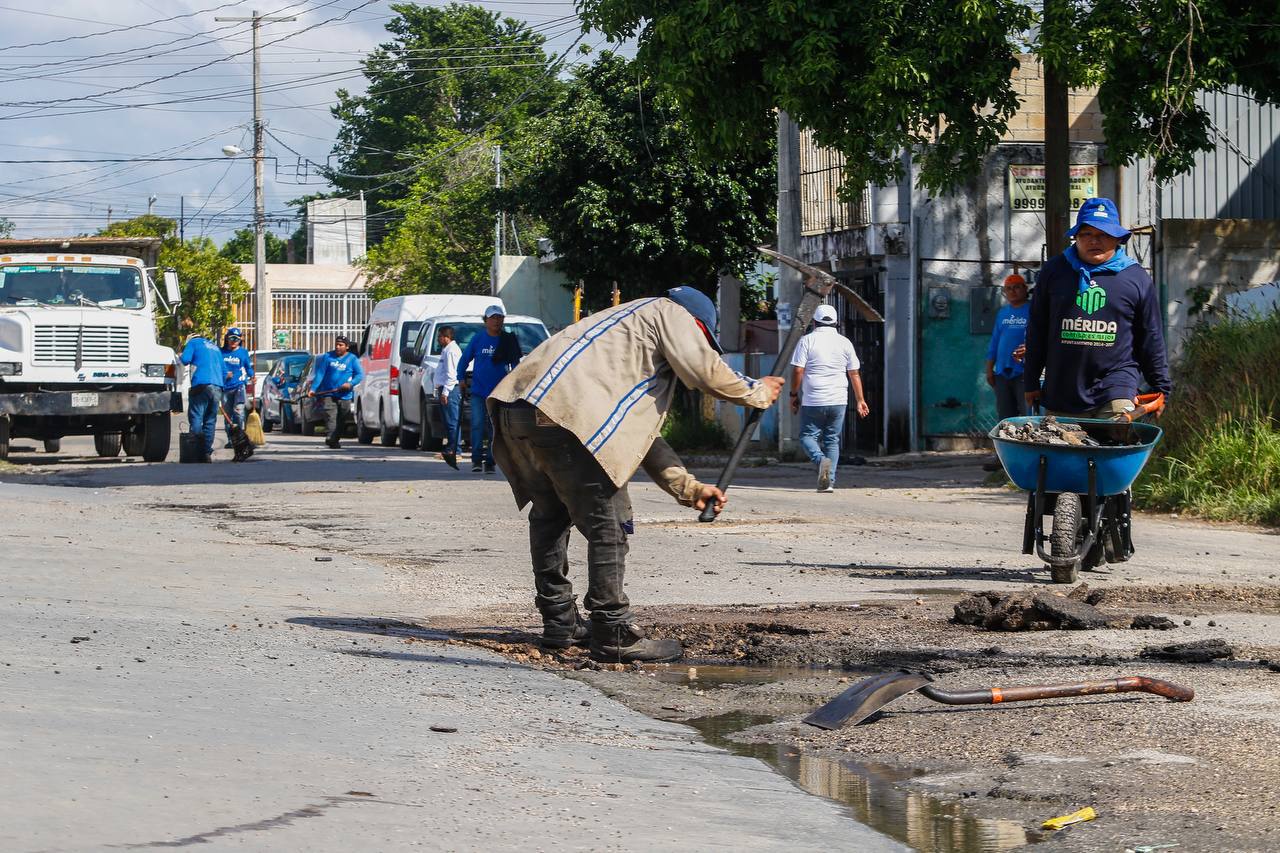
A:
[82,80]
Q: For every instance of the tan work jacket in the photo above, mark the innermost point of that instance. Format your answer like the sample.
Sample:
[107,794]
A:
[610,379]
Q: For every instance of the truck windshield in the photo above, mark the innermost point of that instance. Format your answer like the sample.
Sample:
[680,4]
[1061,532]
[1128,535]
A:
[65,284]
[529,334]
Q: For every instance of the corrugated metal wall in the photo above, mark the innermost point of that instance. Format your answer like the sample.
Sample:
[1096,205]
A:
[1239,179]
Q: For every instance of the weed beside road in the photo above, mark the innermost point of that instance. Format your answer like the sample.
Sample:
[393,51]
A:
[1220,458]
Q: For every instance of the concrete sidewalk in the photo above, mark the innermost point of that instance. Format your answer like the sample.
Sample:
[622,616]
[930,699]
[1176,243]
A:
[196,711]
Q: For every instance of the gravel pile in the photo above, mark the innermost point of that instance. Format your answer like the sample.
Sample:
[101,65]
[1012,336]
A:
[1047,430]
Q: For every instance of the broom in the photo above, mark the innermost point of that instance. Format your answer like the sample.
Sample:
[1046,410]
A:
[253,429]
[241,446]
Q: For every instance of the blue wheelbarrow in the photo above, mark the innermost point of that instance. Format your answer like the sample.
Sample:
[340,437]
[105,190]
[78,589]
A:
[1084,489]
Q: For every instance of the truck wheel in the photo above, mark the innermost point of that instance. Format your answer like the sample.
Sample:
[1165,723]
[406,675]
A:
[386,434]
[364,435]
[134,442]
[107,443]
[155,437]
[427,441]
[52,445]
[408,438]
[1064,537]
[4,439]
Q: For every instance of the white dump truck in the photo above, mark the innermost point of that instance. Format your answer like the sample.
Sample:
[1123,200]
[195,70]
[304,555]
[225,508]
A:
[78,348]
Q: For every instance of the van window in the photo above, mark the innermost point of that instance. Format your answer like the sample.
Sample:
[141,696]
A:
[409,333]
[528,334]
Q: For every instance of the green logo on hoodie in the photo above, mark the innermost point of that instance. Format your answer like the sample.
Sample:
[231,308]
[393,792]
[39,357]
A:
[1091,300]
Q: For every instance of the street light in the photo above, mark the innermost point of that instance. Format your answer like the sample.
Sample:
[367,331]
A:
[232,150]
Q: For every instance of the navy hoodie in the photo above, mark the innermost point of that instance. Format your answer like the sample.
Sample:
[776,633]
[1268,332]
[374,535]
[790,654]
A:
[1097,347]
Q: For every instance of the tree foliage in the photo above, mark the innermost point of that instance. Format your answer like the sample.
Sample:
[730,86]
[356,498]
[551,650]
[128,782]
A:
[875,77]
[6,227]
[613,174]
[447,71]
[442,241]
[239,247]
[211,284]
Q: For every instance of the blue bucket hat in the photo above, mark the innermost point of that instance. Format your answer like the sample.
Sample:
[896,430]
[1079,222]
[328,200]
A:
[701,307]
[1100,213]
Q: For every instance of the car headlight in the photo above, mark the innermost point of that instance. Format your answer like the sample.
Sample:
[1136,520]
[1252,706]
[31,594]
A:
[10,368]
[154,370]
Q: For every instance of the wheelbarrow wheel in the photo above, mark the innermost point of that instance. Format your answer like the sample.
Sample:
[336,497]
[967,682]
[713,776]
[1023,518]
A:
[1065,536]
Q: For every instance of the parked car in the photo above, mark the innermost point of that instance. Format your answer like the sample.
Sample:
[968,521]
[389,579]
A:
[394,325]
[264,361]
[418,403]
[279,384]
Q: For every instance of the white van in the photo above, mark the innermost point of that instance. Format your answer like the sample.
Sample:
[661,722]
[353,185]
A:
[394,325]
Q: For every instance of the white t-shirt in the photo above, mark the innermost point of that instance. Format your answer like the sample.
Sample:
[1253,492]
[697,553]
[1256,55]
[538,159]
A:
[827,357]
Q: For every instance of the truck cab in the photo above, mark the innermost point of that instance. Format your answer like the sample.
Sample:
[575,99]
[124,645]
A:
[78,347]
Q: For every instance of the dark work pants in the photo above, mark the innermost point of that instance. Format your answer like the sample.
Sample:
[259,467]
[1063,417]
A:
[1010,403]
[568,489]
[202,413]
[336,413]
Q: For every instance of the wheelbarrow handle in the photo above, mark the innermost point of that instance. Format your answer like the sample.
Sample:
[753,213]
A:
[997,695]
[1147,404]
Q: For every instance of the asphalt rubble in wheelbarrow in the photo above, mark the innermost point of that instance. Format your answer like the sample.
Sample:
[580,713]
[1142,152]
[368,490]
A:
[1048,430]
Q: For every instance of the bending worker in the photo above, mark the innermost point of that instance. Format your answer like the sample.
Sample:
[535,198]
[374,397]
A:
[574,420]
[1095,325]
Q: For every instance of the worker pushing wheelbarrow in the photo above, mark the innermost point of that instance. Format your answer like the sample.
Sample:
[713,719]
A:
[1095,333]
[1078,471]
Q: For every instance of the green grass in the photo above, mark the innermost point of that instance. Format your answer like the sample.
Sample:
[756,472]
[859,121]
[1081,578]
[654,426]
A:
[1220,458]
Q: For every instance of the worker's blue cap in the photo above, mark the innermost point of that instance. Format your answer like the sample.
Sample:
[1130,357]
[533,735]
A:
[1101,213]
[701,307]
[234,332]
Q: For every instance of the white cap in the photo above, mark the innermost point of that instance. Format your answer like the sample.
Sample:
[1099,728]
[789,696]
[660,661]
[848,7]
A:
[494,311]
[824,315]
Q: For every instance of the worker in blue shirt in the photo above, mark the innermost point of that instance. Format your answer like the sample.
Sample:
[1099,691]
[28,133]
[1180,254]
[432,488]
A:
[205,395]
[238,370]
[491,355]
[337,373]
[1095,328]
[1004,374]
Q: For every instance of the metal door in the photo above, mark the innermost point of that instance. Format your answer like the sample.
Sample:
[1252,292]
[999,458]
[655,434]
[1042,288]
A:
[864,436]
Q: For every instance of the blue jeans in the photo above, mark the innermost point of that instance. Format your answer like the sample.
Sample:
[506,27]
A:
[822,424]
[481,433]
[452,412]
[234,400]
[202,412]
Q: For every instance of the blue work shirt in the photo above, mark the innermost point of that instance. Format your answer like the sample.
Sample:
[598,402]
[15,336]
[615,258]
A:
[1009,333]
[238,363]
[204,355]
[333,371]
[485,374]
[1098,345]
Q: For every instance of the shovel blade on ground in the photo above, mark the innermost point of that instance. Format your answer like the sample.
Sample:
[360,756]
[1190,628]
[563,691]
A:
[865,698]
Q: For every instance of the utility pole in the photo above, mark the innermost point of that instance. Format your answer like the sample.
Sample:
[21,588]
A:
[182,219]
[497,224]
[1057,141]
[261,298]
[790,286]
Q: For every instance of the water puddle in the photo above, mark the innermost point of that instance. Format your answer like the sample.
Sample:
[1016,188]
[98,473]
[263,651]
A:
[870,791]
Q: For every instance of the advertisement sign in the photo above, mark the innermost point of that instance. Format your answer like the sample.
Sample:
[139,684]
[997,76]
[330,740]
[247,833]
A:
[1026,187]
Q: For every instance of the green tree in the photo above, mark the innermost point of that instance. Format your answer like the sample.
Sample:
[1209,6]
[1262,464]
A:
[6,227]
[442,241]
[239,247]
[873,78]
[453,70]
[613,174]
[211,284]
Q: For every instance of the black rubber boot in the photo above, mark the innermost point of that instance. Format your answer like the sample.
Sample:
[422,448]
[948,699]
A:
[562,625]
[626,643]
